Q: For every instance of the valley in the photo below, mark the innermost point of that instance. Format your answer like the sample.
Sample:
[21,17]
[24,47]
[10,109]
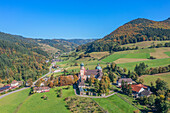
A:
[126,71]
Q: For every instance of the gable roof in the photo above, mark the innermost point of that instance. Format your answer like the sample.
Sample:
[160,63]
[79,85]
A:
[14,82]
[145,93]
[137,87]
[4,88]
[92,72]
[125,80]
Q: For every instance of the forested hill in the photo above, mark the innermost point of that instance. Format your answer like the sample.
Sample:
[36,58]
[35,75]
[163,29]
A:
[64,45]
[80,41]
[20,58]
[137,30]
[23,58]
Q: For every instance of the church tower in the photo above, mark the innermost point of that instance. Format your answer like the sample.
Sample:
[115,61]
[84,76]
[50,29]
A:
[82,71]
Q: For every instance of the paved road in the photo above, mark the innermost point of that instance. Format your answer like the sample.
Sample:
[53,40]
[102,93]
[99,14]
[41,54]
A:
[28,87]
[45,74]
[13,92]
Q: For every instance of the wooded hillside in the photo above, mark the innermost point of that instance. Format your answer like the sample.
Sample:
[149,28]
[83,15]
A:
[137,30]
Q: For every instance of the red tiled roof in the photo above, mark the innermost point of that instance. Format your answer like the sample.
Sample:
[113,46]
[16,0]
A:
[41,88]
[137,87]
[14,81]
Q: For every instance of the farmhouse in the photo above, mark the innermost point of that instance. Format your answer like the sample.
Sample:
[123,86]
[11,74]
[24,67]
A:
[128,80]
[5,88]
[14,83]
[140,90]
[41,89]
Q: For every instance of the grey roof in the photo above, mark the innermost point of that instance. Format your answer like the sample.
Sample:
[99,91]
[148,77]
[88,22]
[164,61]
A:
[92,72]
[4,88]
[81,83]
[81,89]
[125,80]
[145,93]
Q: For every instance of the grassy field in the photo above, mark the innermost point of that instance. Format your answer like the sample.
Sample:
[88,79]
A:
[9,103]
[144,44]
[150,63]
[115,104]
[167,53]
[140,54]
[98,55]
[152,78]
[53,104]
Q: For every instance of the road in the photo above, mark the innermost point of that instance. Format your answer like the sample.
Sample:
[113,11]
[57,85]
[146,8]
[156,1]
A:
[45,74]
[13,92]
[28,87]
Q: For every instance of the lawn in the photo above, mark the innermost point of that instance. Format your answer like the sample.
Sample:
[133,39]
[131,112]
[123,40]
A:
[115,104]
[150,63]
[35,104]
[141,54]
[168,53]
[9,103]
[113,57]
[138,55]
[152,78]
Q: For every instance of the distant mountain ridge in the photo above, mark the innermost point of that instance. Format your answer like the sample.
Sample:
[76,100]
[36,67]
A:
[134,31]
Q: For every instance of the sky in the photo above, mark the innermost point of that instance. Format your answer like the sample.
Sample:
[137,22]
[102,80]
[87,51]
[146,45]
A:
[79,19]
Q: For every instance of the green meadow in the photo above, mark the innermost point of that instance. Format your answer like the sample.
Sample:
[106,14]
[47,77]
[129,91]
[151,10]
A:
[152,78]
[150,63]
[168,53]
[10,103]
[54,104]
[115,104]
[141,54]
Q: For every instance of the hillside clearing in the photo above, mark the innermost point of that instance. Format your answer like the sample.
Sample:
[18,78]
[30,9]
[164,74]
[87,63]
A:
[144,44]
[115,104]
[167,53]
[150,63]
[98,55]
[127,60]
[48,48]
[152,78]
[159,53]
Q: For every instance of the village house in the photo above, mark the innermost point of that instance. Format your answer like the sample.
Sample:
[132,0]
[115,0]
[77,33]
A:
[126,80]
[140,90]
[5,88]
[14,83]
[41,89]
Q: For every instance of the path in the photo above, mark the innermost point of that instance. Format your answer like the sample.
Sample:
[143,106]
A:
[45,74]
[94,96]
[13,92]
[128,101]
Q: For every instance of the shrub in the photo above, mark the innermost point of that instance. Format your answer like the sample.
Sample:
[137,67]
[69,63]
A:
[151,57]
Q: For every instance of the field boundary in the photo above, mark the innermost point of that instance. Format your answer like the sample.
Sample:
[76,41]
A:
[19,106]
[128,101]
